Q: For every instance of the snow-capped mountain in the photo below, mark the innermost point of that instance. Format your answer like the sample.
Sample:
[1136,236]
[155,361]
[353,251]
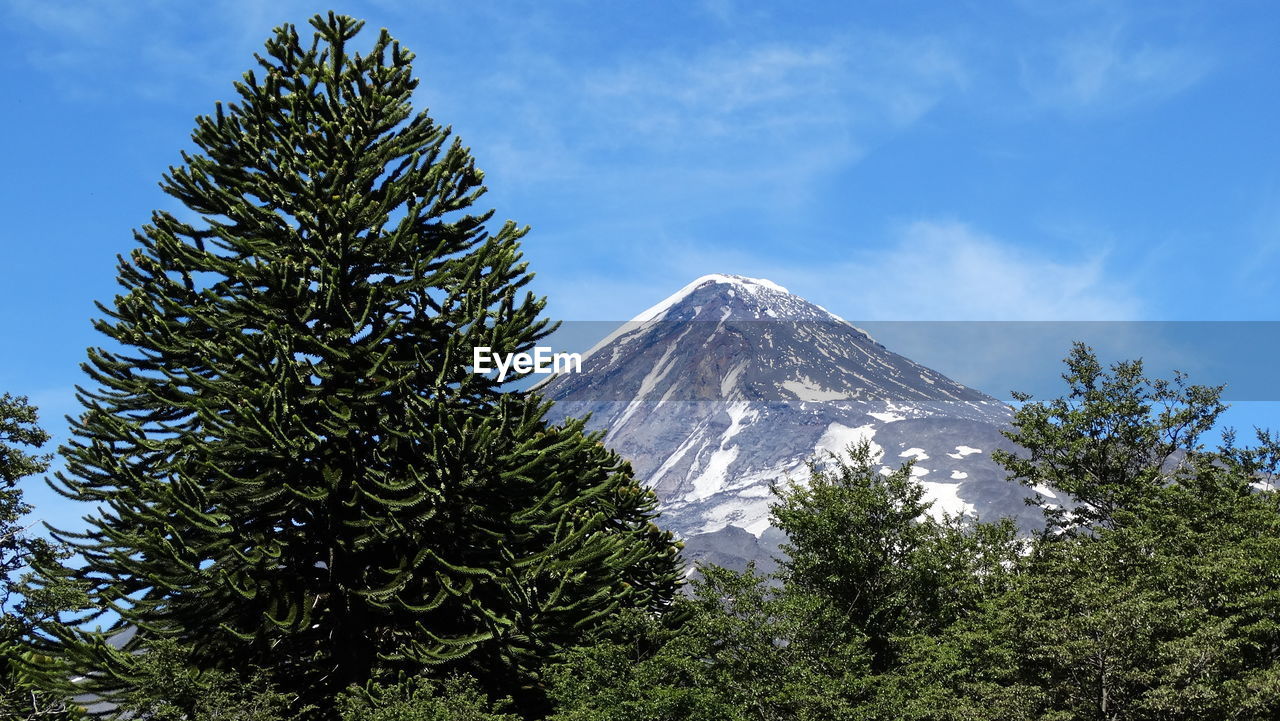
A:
[733,383]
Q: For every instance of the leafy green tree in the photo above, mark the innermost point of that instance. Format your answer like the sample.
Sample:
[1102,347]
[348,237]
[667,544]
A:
[1111,442]
[457,698]
[23,608]
[740,649]
[1151,595]
[1150,621]
[18,429]
[862,540]
[1159,611]
[295,468]
[164,687]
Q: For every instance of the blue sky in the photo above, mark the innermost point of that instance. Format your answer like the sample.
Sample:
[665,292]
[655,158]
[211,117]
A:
[889,160]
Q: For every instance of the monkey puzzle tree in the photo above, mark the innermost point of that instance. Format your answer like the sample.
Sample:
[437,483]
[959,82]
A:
[295,468]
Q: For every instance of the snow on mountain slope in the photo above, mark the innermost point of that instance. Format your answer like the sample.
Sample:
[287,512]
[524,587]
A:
[733,383]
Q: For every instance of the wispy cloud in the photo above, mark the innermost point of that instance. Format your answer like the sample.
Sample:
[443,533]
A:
[950,271]
[1106,68]
[722,125]
[1264,232]
[846,87]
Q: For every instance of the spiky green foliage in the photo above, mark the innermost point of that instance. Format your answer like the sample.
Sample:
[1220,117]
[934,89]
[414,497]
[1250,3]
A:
[295,467]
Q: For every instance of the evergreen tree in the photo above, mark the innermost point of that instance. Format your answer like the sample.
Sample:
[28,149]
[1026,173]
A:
[296,469]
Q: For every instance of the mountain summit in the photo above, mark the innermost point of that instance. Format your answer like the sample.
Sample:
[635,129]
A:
[733,383]
[737,338]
